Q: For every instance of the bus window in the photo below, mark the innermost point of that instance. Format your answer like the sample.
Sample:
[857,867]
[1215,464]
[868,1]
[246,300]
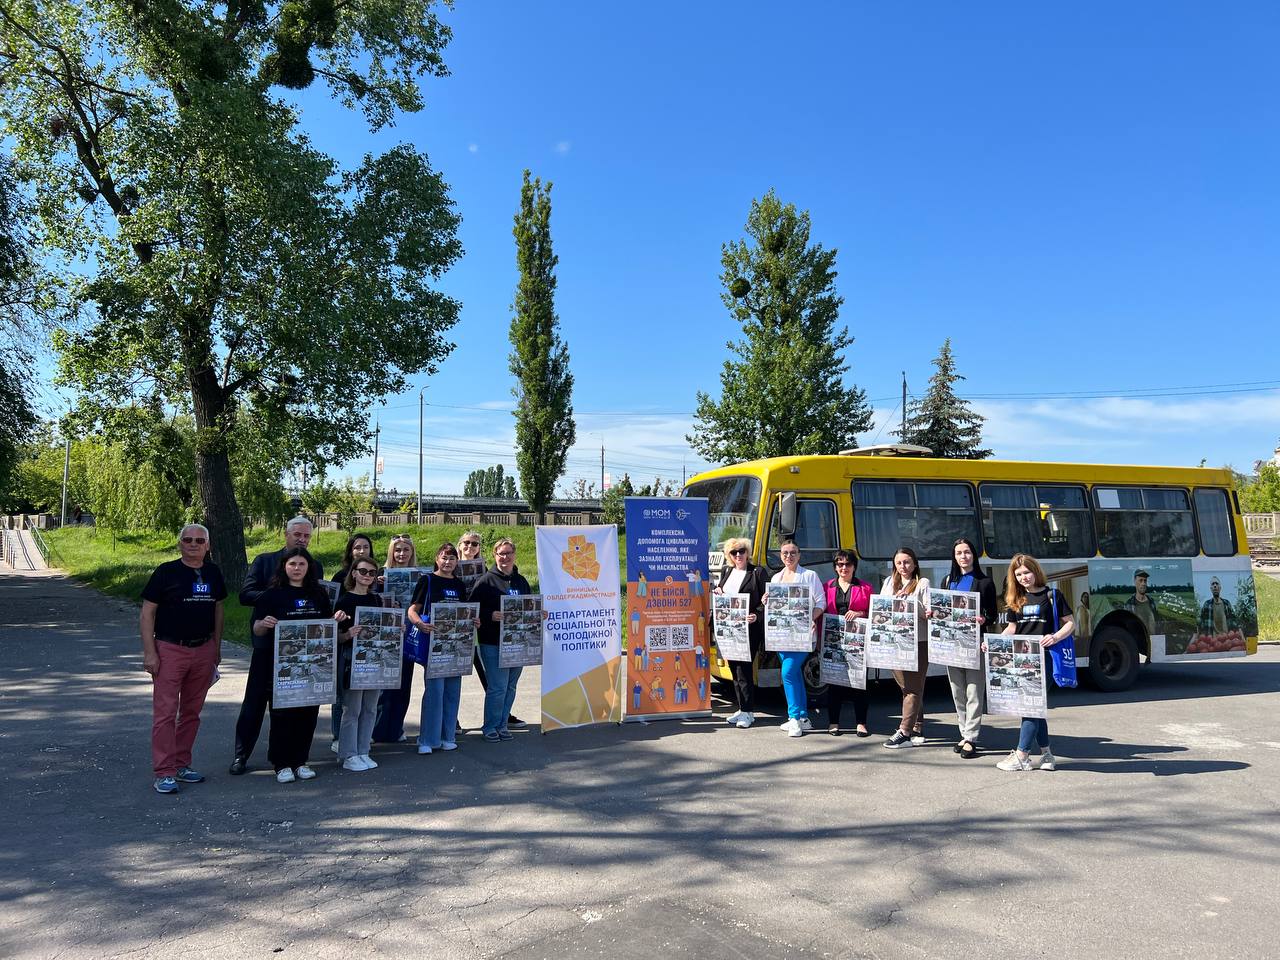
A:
[733,503]
[1144,522]
[817,534]
[1044,520]
[1213,516]
[928,517]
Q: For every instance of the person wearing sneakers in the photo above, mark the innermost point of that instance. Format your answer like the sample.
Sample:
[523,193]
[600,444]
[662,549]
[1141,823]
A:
[1034,610]
[969,685]
[438,724]
[359,707]
[181,627]
[293,594]
[850,598]
[905,581]
[744,577]
[798,722]
[501,580]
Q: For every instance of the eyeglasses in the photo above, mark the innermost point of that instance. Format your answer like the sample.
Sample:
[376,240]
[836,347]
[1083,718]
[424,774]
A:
[468,543]
[790,553]
[737,553]
[193,540]
[507,553]
[366,572]
[842,563]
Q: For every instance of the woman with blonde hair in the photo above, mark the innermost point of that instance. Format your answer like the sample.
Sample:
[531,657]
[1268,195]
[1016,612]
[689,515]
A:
[742,576]
[905,581]
[394,703]
[1034,610]
[798,722]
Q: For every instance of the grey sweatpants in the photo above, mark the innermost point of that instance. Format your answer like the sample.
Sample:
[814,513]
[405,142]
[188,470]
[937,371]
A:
[967,689]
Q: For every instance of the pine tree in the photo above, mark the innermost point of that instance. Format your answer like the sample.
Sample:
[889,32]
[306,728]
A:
[783,392]
[942,421]
[539,358]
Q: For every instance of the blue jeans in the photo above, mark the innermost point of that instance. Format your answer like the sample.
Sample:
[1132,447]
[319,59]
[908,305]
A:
[793,683]
[1033,729]
[439,720]
[500,694]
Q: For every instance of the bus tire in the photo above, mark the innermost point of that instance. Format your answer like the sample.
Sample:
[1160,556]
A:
[1113,659]
[814,688]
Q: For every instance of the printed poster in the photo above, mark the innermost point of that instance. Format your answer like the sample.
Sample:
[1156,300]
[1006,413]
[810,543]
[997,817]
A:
[788,617]
[376,653]
[891,636]
[398,584]
[1015,676]
[582,649]
[955,636]
[452,639]
[668,616]
[520,638]
[332,589]
[732,630]
[843,660]
[305,663]
[469,571]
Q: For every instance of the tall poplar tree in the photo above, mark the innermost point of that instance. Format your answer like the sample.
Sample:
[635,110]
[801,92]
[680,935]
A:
[942,421]
[539,358]
[783,392]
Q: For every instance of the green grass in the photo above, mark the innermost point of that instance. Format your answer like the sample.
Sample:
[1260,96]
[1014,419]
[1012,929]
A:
[121,565]
[1268,607]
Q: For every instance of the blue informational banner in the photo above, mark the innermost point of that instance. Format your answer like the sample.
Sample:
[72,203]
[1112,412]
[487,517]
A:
[668,610]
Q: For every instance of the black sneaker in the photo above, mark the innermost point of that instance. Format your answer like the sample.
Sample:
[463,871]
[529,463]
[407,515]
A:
[238,766]
[898,741]
[514,721]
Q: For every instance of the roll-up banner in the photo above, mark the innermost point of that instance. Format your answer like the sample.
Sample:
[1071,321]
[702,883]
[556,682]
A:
[668,616]
[582,646]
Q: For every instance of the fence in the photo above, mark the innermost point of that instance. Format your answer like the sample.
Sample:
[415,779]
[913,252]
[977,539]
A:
[1261,526]
[478,518]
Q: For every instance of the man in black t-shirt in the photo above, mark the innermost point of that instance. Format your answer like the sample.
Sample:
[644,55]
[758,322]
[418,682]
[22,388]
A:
[181,626]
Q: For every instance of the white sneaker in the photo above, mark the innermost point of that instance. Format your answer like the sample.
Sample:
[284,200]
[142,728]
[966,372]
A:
[285,775]
[797,730]
[355,764]
[806,724]
[733,717]
[917,738]
[1047,762]
[423,749]
[745,720]
[369,762]
[790,725]
[333,745]
[1014,762]
[305,773]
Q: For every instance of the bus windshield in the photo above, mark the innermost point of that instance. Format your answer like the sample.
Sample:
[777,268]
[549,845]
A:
[733,505]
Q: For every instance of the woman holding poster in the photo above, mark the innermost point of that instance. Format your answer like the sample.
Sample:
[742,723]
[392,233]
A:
[359,707]
[967,686]
[394,704]
[850,598]
[293,594]
[502,579]
[745,578]
[1035,610]
[906,581]
[798,722]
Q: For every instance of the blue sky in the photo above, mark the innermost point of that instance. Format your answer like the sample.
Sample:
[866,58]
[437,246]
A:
[1082,197]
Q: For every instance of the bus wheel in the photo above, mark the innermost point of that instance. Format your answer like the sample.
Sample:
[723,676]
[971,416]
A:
[1113,659]
[813,685]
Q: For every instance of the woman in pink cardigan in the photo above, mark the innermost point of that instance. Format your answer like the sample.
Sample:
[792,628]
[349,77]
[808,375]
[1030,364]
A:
[850,598]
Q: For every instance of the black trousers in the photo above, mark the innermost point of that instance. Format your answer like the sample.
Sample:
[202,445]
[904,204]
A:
[837,696]
[392,706]
[478,665]
[257,694]
[744,689]
[292,730]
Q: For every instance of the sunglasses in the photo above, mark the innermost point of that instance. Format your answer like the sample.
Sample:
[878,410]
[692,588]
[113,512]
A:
[468,543]
[366,572]
[737,553]
[193,540]
[842,563]
[405,537]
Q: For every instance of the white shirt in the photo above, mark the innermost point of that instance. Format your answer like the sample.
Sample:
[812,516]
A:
[921,593]
[817,592]
[733,582]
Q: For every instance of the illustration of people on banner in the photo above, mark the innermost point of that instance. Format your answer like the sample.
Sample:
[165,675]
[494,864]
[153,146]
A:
[669,633]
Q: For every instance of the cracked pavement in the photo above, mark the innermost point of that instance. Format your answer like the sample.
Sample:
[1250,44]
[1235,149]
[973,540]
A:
[1156,836]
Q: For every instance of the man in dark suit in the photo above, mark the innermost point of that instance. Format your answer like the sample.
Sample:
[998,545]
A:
[257,689]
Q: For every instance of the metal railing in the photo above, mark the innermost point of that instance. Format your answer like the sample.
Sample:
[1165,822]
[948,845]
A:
[41,544]
[1261,526]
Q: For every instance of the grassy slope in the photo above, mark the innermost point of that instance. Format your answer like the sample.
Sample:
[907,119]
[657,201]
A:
[121,565]
[1268,607]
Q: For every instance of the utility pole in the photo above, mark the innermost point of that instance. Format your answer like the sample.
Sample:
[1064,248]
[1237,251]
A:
[602,465]
[66,470]
[420,393]
[377,430]
[903,435]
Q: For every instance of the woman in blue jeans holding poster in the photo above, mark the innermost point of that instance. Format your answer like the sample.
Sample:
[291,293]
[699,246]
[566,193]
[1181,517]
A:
[798,722]
[501,580]
[1034,610]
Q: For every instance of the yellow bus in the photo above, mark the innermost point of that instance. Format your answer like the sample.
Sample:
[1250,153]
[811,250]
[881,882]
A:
[1153,559]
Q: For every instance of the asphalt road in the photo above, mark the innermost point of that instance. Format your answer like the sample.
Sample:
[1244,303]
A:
[1157,837]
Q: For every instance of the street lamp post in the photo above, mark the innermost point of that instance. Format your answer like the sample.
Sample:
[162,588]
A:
[420,393]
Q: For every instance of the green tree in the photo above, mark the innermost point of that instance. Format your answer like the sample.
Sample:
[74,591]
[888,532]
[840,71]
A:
[19,309]
[783,390]
[509,491]
[1261,494]
[613,502]
[216,261]
[942,421]
[539,358]
[492,482]
[351,498]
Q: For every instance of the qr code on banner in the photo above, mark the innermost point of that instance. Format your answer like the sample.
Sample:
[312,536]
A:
[681,636]
[657,639]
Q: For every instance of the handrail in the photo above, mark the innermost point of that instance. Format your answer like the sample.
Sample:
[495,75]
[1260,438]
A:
[41,545]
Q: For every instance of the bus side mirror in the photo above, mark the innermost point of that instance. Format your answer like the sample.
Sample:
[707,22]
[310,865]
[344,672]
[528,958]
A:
[787,514]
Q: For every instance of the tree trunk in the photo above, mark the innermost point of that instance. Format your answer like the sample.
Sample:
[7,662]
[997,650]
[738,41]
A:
[213,477]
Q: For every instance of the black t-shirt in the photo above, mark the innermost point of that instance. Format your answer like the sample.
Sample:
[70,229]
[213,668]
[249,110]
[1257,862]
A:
[488,591]
[433,588]
[290,603]
[1035,619]
[185,599]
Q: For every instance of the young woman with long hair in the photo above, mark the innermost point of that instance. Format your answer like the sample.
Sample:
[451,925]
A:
[969,685]
[905,581]
[357,709]
[394,704]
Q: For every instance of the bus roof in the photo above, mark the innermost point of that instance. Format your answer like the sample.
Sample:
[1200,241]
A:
[806,471]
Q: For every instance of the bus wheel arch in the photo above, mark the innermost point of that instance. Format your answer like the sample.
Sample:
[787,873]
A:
[1115,653]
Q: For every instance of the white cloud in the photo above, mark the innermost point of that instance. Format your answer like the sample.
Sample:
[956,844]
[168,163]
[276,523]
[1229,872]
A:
[473,148]
[563,147]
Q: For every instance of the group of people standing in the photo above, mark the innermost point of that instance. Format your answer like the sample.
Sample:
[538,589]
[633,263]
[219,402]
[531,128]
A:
[1032,609]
